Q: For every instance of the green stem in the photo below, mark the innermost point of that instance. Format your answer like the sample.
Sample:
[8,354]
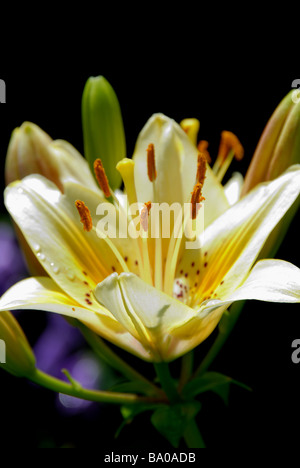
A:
[77,391]
[187,363]
[113,360]
[166,381]
[192,436]
[225,328]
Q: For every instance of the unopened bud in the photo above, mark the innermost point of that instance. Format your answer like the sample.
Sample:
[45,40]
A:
[279,145]
[103,131]
[17,355]
[32,151]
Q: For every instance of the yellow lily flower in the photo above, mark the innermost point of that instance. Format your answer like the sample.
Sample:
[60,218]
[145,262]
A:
[152,295]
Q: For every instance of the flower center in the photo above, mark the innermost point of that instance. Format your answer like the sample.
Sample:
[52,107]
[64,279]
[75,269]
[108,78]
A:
[165,263]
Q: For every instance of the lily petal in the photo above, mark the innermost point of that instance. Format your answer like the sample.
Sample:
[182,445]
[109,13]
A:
[43,294]
[233,188]
[71,164]
[271,280]
[147,313]
[176,164]
[232,243]
[76,260]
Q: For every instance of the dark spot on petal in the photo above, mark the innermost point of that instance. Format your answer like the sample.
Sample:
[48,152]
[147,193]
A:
[113,268]
[193,264]
[198,272]
[73,308]
[88,295]
[126,259]
[186,275]
[205,254]
[205,264]
[136,262]
[196,284]
[86,283]
[181,272]
[222,282]
[85,273]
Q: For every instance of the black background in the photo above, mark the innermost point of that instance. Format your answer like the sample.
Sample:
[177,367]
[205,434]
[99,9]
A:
[232,91]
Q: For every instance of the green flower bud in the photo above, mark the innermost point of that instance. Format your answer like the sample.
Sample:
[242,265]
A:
[103,131]
[279,145]
[277,149]
[16,354]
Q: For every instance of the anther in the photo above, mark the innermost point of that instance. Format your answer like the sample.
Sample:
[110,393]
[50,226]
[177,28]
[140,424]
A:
[152,174]
[229,141]
[202,147]
[201,168]
[101,177]
[196,199]
[144,216]
[85,215]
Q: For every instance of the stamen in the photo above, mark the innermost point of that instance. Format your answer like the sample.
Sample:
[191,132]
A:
[126,168]
[85,215]
[152,174]
[229,141]
[101,177]
[145,248]
[201,168]
[144,216]
[196,199]
[202,147]
[229,148]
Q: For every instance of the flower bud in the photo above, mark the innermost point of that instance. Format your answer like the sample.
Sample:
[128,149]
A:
[16,354]
[103,131]
[277,149]
[28,154]
[279,145]
[32,151]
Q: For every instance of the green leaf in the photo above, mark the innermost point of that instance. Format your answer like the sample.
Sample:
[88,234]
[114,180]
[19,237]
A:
[171,421]
[130,412]
[103,130]
[223,392]
[210,381]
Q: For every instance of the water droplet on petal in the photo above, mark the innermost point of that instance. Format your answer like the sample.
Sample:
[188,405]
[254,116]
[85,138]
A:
[41,256]
[37,248]
[54,268]
[70,276]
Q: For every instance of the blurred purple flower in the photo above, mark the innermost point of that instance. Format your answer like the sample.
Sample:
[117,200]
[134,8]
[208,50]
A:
[12,264]
[60,346]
